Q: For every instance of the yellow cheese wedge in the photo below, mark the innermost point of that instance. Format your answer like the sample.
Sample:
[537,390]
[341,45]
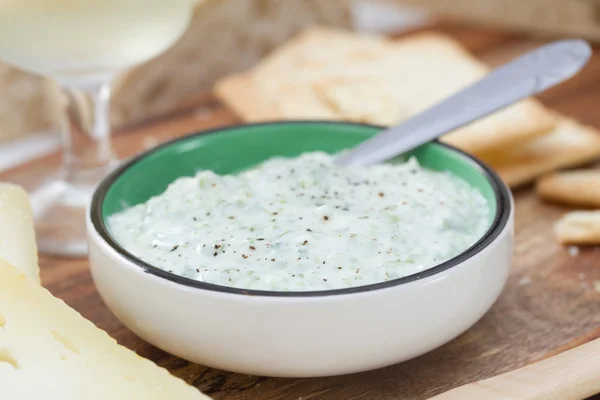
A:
[17,237]
[49,351]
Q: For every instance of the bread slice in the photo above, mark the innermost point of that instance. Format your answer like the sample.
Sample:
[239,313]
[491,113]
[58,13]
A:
[569,145]
[332,74]
[578,187]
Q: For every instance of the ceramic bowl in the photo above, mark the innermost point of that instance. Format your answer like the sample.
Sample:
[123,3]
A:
[293,334]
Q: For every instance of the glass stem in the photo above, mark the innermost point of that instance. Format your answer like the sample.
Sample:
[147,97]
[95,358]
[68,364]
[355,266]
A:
[87,154]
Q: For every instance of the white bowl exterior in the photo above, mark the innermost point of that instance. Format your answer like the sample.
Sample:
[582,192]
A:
[302,336]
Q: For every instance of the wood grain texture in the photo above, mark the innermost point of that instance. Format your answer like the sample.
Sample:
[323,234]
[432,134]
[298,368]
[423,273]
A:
[550,303]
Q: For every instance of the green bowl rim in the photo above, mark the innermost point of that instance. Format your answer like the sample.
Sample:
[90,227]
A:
[503,211]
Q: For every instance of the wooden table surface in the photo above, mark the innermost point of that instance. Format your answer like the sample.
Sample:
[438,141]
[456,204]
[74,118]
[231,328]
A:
[551,302]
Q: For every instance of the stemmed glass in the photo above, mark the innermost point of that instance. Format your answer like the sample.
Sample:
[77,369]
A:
[82,44]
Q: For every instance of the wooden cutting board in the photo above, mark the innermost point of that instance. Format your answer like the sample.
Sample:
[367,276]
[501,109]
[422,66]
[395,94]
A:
[551,302]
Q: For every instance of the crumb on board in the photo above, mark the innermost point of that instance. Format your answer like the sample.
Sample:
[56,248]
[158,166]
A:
[597,286]
[581,276]
[526,280]
[573,251]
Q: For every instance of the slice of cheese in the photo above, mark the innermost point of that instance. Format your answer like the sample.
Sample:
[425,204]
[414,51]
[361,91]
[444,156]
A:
[17,237]
[49,351]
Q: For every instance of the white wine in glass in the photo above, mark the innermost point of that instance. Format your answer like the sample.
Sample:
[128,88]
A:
[82,44]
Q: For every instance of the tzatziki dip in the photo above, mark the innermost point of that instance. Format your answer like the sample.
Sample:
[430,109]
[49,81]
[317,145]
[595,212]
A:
[304,224]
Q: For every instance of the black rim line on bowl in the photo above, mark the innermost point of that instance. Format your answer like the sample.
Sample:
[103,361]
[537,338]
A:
[501,218]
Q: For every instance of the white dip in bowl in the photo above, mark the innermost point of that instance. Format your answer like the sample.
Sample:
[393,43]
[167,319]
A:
[304,223]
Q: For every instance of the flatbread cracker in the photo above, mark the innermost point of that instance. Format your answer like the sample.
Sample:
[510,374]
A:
[337,75]
[577,188]
[280,85]
[320,48]
[579,228]
[569,145]
[246,105]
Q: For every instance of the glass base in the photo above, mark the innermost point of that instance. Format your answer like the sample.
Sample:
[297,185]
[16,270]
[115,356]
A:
[59,209]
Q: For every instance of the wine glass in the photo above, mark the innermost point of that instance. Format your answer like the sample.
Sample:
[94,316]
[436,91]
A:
[82,44]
